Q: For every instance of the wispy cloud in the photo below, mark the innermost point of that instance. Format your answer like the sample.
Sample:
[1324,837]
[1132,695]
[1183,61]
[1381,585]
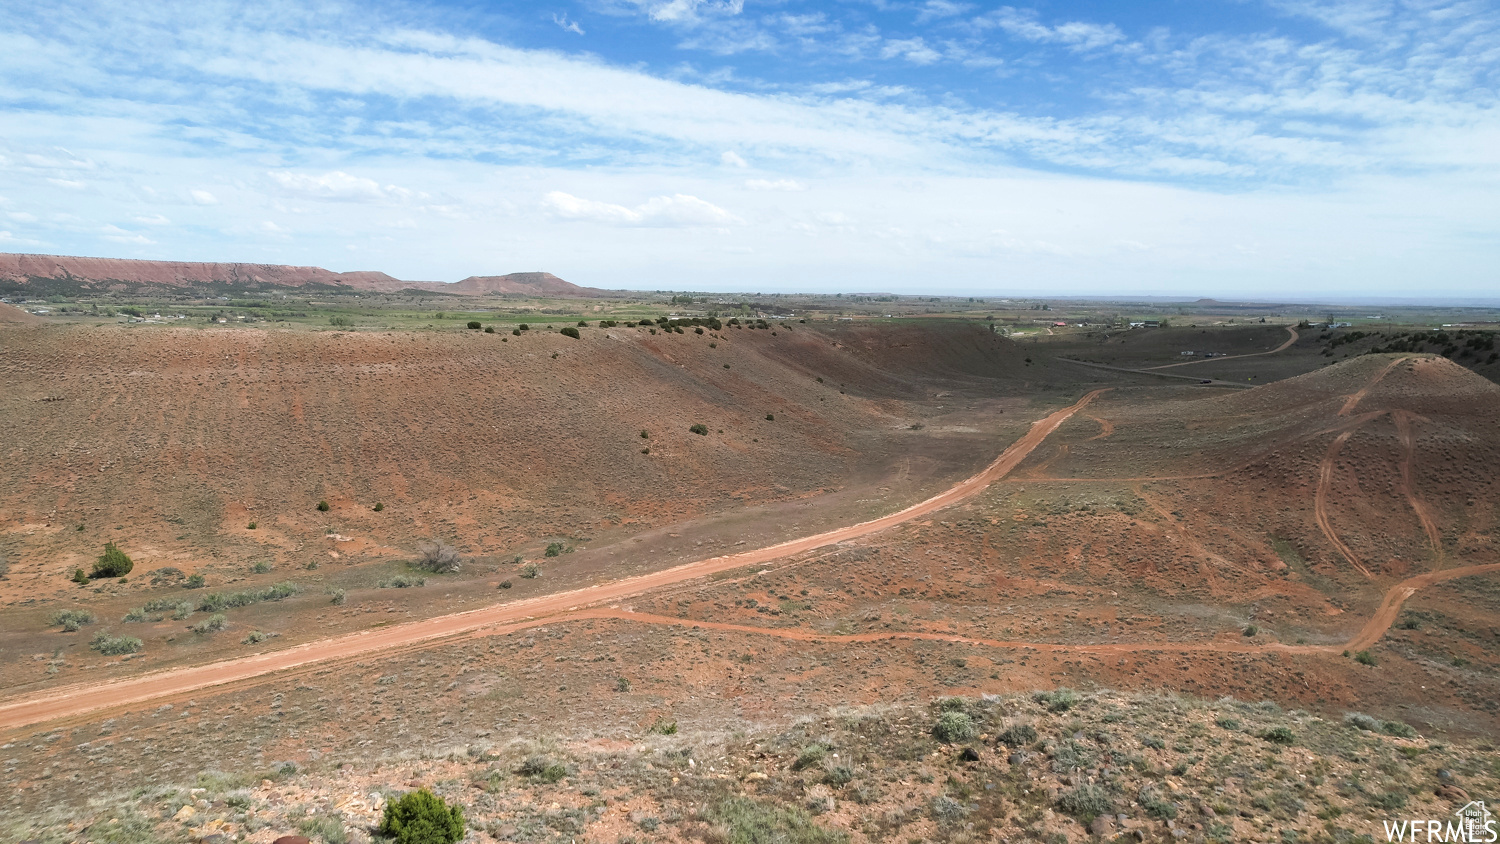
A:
[678,211]
[338,186]
[567,25]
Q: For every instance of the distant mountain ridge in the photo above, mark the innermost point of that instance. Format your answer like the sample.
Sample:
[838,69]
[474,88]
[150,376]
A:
[48,274]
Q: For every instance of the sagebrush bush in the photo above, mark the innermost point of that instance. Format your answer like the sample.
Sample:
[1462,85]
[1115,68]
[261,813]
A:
[1085,802]
[954,726]
[700,430]
[1279,735]
[322,506]
[114,645]
[570,331]
[1018,735]
[112,563]
[421,817]
[1058,700]
[214,623]
[744,820]
[473,325]
[1361,721]
[553,549]
[437,556]
[402,581]
[71,620]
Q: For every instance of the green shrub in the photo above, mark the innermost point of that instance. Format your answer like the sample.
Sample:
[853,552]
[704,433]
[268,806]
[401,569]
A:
[1251,630]
[261,567]
[79,576]
[1361,721]
[748,821]
[255,637]
[489,329]
[645,435]
[553,549]
[473,325]
[194,581]
[181,610]
[1279,735]
[1058,700]
[954,726]
[212,624]
[136,614]
[569,331]
[1397,729]
[1019,735]
[1085,802]
[530,571]
[839,776]
[326,827]
[322,506]
[337,597]
[378,507]
[516,332]
[505,584]
[664,727]
[402,581]
[251,526]
[340,322]
[542,769]
[114,645]
[1364,658]
[583,323]
[622,684]
[421,817]
[1155,805]
[770,417]
[700,430]
[71,620]
[811,755]
[112,563]
[523,327]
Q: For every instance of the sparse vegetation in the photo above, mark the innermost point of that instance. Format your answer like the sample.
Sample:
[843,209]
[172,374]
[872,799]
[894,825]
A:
[403,581]
[378,507]
[699,429]
[553,549]
[743,820]
[219,601]
[114,645]
[1085,802]
[112,563]
[437,556]
[323,507]
[255,637]
[569,331]
[213,624]
[421,817]
[954,726]
[1058,700]
[71,620]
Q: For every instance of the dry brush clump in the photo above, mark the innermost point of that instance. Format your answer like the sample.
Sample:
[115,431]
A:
[437,557]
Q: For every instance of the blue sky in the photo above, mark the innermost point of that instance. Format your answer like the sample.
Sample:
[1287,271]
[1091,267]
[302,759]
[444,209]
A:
[1272,149]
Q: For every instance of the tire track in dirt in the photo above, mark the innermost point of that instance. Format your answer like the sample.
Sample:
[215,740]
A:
[1289,341]
[1390,607]
[82,699]
[1106,428]
[1325,468]
[1320,502]
[1404,420]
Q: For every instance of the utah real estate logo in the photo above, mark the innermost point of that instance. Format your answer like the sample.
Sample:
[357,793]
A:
[1473,825]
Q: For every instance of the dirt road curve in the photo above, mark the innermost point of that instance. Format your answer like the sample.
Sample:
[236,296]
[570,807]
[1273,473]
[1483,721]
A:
[81,699]
[1289,341]
[1385,616]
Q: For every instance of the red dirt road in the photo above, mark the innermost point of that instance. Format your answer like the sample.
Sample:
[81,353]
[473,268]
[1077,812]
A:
[82,699]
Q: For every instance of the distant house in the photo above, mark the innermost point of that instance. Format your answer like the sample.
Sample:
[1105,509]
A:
[1187,354]
[1152,323]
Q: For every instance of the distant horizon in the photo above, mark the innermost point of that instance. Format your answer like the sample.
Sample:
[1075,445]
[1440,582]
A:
[1119,298]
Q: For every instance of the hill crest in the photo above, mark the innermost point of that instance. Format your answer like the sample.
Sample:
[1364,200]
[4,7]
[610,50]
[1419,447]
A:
[67,274]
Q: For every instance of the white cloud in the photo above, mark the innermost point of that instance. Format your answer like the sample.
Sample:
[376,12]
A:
[338,186]
[676,211]
[675,11]
[567,25]
[22,216]
[775,184]
[914,50]
[1024,24]
[70,184]
[935,9]
[153,220]
[203,197]
[119,235]
[733,159]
